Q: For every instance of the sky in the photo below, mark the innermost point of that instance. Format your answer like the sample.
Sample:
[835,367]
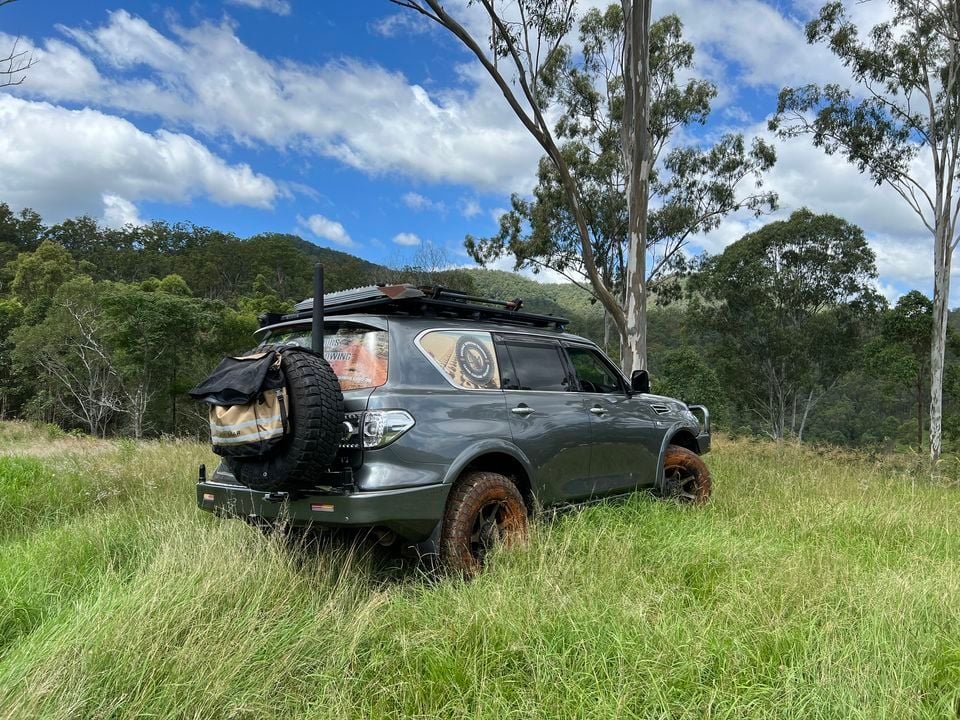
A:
[360,127]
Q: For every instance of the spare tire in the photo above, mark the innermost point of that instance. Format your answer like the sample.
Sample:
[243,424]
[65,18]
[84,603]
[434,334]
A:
[315,419]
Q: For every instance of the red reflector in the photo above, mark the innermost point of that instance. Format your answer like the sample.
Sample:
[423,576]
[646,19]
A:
[322,507]
[208,497]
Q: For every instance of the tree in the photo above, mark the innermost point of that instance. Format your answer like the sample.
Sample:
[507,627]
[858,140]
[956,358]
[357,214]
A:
[901,354]
[36,276]
[694,188]
[154,339]
[907,103]
[533,46]
[14,65]
[787,306]
[69,349]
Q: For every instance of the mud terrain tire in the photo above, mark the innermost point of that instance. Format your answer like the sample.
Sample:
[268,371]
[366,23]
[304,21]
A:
[316,424]
[686,478]
[484,509]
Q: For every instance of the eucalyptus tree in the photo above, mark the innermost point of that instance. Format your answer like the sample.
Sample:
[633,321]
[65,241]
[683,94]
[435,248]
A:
[786,309]
[901,353]
[691,188]
[529,36]
[903,109]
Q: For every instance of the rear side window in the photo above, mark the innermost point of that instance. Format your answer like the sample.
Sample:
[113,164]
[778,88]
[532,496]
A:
[358,354]
[467,359]
[538,366]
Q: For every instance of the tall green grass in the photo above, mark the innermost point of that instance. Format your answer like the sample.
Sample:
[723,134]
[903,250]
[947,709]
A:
[813,586]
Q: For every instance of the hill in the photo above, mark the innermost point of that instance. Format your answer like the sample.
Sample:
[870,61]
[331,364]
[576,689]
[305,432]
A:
[813,585]
[561,299]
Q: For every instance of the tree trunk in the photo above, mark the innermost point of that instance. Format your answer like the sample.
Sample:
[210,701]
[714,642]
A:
[637,165]
[606,331]
[941,296]
[920,410]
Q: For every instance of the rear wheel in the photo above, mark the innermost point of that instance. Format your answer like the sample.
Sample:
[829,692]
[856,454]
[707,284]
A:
[686,478]
[484,510]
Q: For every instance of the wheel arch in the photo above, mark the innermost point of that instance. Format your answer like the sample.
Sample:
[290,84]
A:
[497,457]
[678,434]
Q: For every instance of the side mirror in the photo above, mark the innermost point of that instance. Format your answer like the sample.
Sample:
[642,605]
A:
[640,381]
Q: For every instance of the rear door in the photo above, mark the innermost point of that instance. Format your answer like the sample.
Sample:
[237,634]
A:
[547,417]
[626,435]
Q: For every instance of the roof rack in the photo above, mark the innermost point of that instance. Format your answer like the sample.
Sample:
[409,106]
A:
[424,301]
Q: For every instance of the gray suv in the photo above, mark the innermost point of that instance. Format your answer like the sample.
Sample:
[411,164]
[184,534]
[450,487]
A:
[461,416]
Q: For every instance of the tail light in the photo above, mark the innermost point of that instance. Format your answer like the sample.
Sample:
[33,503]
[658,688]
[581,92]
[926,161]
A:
[374,429]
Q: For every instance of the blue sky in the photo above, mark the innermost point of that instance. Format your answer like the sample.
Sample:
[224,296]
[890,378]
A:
[356,125]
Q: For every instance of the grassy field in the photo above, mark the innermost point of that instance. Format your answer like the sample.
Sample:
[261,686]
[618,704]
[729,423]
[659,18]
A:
[815,585]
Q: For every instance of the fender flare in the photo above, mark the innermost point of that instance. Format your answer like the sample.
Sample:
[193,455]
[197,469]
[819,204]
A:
[667,437]
[485,447]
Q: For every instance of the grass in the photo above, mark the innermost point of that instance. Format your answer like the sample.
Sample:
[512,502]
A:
[815,585]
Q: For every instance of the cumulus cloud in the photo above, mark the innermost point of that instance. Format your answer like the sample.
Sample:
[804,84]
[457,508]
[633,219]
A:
[326,229]
[61,163]
[119,212]
[280,7]
[368,117]
[407,239]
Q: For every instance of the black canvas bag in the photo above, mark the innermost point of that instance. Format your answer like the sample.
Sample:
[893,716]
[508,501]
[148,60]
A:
[248,404]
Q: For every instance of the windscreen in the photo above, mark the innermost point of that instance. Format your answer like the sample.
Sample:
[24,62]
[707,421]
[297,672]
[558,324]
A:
[358,354]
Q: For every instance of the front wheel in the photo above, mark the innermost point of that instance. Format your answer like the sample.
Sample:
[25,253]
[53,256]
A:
[686,478]
[484,510]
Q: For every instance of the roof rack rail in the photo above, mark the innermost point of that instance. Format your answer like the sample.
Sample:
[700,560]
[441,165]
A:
[425,301]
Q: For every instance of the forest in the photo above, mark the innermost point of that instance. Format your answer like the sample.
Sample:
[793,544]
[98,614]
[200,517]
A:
[783,335]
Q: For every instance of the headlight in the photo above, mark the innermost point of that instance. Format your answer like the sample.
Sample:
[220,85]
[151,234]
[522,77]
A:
[375,428]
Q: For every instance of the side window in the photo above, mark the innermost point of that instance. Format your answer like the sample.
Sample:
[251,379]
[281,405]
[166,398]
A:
[594,375]
[466,359]
[538,366]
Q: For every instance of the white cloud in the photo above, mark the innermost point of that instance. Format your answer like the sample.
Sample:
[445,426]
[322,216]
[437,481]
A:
[418,202]
[407,239]
[470,208]
[327,229]
[370,118]
[401,23]
[280,7]
[119,212]
[61,163]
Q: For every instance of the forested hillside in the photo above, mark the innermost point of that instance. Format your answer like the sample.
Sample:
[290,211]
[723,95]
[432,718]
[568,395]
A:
[103,330]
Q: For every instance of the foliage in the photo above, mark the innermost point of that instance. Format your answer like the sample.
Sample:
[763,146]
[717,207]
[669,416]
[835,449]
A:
[900,354]
[906,103]
[787,306]
[692,188]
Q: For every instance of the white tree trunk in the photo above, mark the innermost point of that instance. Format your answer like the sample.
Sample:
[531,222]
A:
[942,257]
[637,164]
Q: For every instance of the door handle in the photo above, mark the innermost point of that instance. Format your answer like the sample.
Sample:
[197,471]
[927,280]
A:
[522,410]
[597,410]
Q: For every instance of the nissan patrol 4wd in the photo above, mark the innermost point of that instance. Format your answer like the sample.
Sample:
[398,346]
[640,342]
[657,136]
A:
[436,416]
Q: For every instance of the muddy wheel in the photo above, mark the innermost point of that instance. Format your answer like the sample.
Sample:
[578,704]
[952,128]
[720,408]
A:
[484,510]
[686,478]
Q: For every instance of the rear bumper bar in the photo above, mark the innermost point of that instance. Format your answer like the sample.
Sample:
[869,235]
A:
[412,513]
